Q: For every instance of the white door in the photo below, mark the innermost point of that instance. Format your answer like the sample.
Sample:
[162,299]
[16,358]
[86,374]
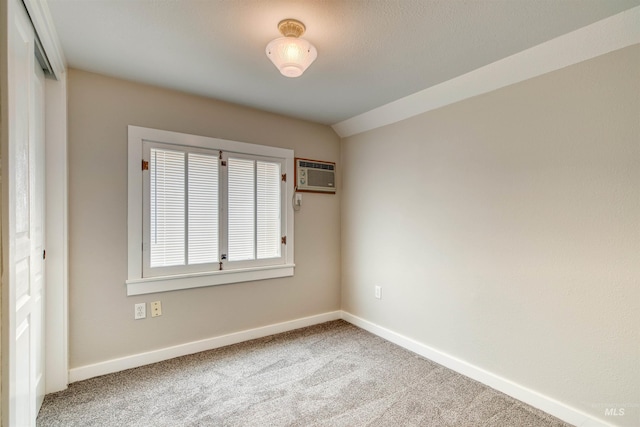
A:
[37,162]
[24,200]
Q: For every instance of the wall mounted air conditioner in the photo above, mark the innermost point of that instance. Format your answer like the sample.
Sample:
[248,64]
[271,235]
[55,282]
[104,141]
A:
[315,176]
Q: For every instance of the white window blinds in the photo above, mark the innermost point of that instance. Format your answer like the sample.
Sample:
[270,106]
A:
[210,210]
[167,208]
[254,209]
[268,210]
[241,209]
[203,209]
[183,208]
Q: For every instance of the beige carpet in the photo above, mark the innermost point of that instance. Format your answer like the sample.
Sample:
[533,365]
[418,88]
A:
[333,374]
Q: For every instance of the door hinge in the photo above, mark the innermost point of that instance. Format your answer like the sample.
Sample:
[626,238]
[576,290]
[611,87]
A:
[44,254]
[145,165]
[284,240]
[284,177]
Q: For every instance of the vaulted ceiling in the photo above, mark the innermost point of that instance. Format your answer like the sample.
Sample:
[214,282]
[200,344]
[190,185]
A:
[370,52]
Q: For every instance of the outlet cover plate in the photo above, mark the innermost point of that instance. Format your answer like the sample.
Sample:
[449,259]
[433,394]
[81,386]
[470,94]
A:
[140,311]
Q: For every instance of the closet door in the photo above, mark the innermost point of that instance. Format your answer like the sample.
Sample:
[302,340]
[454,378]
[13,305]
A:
[23,200]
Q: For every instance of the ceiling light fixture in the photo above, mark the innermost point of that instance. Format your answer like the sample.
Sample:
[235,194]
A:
[291,54]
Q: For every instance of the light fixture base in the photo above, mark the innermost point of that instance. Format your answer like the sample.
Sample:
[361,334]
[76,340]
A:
[291,28]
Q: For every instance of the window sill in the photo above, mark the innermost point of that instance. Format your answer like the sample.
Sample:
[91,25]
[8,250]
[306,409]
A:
[150,285]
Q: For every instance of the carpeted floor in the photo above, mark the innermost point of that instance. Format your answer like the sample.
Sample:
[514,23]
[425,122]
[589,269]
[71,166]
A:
[333,374]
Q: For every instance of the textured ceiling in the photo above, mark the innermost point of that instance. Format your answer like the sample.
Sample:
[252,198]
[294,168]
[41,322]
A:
[370,52]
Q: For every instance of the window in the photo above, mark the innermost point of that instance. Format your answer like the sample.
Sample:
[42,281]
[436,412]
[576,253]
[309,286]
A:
[205,211]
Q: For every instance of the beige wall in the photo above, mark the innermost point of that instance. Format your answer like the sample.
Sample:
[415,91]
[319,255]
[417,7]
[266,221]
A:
[101,315]
[505,231]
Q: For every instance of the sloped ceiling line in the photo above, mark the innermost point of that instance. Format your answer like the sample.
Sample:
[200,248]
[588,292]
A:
[599,38]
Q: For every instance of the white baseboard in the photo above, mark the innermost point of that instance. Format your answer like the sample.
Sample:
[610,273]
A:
[517,391]
[141,359]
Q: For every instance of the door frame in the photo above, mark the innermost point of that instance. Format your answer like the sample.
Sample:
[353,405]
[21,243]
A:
[56,204]
[56,225]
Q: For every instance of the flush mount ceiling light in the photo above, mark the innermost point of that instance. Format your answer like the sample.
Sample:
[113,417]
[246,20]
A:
[291,54]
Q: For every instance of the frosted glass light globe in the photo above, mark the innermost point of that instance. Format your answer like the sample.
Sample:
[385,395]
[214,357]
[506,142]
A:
[291,55]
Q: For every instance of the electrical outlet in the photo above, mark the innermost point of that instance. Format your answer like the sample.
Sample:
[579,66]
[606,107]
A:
[156,309]
[140,311]
[378,292]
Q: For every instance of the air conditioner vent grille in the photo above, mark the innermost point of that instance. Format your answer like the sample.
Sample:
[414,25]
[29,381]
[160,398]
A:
[316,165]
